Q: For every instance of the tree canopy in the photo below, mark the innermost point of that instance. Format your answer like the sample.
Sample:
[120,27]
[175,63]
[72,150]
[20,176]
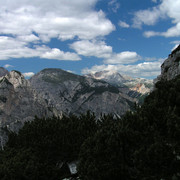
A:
[142,145]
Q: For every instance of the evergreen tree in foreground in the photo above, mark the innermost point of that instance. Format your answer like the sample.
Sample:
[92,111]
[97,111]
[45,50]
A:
[143,145]
[39,148]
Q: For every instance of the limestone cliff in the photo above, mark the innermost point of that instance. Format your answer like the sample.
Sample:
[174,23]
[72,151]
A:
[133,87]
[18,101]
[171,66]
[70,93]
[53,92]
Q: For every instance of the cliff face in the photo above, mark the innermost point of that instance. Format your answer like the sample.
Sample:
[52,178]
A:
[134,87]
[56,92]
[18,101]
[70,93]
[171,66]
[53,92]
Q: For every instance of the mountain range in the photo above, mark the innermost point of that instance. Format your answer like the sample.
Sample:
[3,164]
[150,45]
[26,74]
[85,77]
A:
[56,92]
[134,87]
[53,92]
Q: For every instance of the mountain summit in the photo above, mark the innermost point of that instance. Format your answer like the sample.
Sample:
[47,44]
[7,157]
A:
[70,93]
[140,86]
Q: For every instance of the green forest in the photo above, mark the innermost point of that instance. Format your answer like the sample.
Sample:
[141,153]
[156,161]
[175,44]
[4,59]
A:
[142,145]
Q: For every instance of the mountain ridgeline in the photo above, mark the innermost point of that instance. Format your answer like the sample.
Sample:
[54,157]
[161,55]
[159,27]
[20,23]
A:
[134,87]
[69,93]
[53,92]
[141,145]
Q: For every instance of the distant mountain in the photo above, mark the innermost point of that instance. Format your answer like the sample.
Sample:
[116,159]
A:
[56,92]
[134,87]
[70,93]
[18,101]
[112,77]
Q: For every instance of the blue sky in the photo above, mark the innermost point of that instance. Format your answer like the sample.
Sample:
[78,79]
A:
[132,37]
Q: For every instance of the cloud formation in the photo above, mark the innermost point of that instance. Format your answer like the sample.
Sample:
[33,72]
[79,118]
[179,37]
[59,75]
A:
[99,49]
[166,9]
[92,48]
[50,19]
[155,1]
[114,5]
[125,57]
[15,48]
[145,69]
[7,66]
[59,55]
[28,74]
[37,22]
[123,24]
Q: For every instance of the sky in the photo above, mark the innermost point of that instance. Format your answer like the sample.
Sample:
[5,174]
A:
[132,37]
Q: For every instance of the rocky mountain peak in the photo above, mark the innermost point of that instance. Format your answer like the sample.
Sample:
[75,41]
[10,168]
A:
[112,77]
[17,79]
[139,85]
[70,93]
[56,76]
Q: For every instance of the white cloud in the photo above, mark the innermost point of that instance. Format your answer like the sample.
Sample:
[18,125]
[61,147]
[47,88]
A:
[114,5]
[171,32]
[98,68]
[19,49]
[92,48]
[28,38]
[123,24]
[149,34]
[166,9]
[28,74]
[30,23]
[125,57]
[60,55]
[7,66]
[53,18]
[99,49]
[175,42]
[147,17]
[146,69]
[155,1]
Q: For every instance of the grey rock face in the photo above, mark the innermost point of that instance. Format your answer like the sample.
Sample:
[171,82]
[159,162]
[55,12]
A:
[133,87]
[3,71]
[18,101]
[171,66]
[69,93]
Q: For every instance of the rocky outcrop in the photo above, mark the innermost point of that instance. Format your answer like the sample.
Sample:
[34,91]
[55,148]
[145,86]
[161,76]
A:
[55,92]
[70,93]
[140,88]
[171,66]
[133,87]
[19,102]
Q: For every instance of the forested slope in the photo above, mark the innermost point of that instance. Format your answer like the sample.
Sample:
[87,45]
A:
[143,145]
